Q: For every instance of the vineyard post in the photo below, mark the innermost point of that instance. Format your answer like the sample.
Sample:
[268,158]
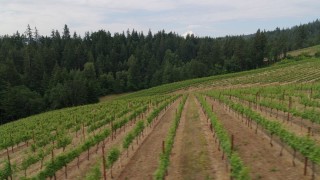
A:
[111,130]
[8,155]
[66,171]
[294,157]
[271,135]
[305,165]
[309,131]
[257,100]
[313,170]
[78,162]
[163,147]
[282,146]
[33,136]
[232,141]
[84,137]
[97,147]
[88,153]
[222,155]
[52,154]
[9,162]
[289,107]
[104,164]
[11,141]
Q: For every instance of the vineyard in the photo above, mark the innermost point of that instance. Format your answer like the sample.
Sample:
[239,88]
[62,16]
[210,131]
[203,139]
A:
[259,124]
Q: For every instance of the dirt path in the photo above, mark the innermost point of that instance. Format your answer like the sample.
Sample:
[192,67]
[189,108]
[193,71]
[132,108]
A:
[194,155]
[263,160]
[144,162]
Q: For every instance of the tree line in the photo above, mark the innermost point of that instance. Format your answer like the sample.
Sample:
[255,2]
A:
[40,73]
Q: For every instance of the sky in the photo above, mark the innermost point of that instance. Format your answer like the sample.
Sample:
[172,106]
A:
[202,17]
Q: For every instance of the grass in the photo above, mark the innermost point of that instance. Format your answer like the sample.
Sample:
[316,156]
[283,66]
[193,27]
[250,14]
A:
[111,97]
[195,156]
[273,169]
[309,51]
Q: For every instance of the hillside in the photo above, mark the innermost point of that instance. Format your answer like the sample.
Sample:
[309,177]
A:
[260,123]
[309,51]
[278,73]
[42,73]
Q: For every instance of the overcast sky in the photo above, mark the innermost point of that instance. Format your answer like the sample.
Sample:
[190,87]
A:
[203,17]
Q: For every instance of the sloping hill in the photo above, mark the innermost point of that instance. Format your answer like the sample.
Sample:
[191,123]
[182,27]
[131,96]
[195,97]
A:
[288,71]
[309,51]
[69,143]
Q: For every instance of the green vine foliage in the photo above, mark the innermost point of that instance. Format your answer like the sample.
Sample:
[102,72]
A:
[304,145]
[239,171]
[165,156]
[113,156]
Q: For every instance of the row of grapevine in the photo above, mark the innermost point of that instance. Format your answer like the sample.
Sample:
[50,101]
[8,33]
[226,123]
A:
[165,156]
[308,114]
[62,137]
[277,73]
[64,159]
[141,124]
[238,169]
[304,145]
[115,152]
[135,133]
[63,140]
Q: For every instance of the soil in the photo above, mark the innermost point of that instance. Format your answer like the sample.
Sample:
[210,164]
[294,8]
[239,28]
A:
[144,162]
[194,155]
[263,160]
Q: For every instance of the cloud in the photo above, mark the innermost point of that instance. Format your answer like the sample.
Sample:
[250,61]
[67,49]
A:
[203,17]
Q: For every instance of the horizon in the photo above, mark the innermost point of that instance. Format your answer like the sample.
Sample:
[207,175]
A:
[203,18]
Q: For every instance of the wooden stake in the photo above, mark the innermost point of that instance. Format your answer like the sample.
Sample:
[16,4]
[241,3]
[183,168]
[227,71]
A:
[84,136]
[104,164]
[305,165]
[66,171]
[232,142]
[271,140]
[282,146]
[313,171]
[163,147]
[78,162]
[88,153]
[294,157]
[289,107]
